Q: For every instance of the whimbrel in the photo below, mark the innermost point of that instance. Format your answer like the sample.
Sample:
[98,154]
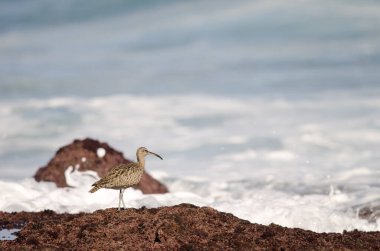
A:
[123,176]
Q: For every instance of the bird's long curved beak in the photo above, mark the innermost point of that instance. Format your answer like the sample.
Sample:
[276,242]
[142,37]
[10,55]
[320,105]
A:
[155,154]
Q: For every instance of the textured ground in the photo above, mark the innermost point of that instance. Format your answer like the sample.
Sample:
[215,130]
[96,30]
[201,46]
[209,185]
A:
[182,227]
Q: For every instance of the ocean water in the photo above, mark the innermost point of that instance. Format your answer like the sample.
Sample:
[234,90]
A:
[269,110]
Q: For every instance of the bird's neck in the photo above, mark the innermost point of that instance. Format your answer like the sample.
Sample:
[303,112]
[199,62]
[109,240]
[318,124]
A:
[141,161]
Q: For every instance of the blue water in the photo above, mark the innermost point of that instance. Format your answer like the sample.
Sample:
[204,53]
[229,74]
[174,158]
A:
[8,234]
[316,52]
[260,48]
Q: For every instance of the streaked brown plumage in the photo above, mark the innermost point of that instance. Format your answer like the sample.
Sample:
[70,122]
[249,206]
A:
[124,175]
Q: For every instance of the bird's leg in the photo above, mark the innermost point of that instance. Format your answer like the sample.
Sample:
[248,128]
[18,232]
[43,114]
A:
[122,198]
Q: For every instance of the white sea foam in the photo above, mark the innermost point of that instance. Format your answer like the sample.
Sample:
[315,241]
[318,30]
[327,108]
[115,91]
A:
[317,212]
[263,160]
[101,152]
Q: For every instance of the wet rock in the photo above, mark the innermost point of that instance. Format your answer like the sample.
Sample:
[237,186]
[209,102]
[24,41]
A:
[181,227]
[369,212]
[89,154]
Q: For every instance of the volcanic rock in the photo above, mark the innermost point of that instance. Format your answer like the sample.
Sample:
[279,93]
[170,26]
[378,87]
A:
[181,227]
[85,154]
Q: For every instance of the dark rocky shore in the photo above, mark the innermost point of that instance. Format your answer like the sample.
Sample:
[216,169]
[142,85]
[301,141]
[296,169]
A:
[182,227]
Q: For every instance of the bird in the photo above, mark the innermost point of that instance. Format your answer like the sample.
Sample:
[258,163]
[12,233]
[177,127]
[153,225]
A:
[123,176]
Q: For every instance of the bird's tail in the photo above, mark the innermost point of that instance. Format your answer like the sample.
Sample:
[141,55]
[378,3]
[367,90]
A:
[94,189]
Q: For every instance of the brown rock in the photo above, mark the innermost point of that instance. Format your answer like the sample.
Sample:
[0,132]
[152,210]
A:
[74,154]
[369,212]
[182,227]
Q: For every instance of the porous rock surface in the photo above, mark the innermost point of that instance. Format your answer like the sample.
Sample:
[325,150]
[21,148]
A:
[181,227]
[83,154]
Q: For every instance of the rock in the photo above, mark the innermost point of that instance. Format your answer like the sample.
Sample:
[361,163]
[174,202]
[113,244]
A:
[181,227]
[369,212]
[93,155]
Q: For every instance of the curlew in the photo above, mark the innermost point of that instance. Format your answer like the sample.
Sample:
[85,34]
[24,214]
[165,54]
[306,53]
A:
[123,176]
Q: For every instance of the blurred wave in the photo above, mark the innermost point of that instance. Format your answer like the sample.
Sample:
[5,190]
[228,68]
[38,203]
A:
[261,48]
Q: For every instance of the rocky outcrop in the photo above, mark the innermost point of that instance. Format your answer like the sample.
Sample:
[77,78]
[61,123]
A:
[182,227]
[369,212]
[87,154]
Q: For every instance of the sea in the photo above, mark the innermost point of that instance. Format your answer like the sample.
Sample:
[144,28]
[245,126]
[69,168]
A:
[269,110]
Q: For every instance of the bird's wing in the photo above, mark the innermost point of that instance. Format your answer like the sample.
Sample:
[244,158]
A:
[114,172]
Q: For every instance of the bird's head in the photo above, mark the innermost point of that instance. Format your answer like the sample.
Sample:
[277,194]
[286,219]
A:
[142,152]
